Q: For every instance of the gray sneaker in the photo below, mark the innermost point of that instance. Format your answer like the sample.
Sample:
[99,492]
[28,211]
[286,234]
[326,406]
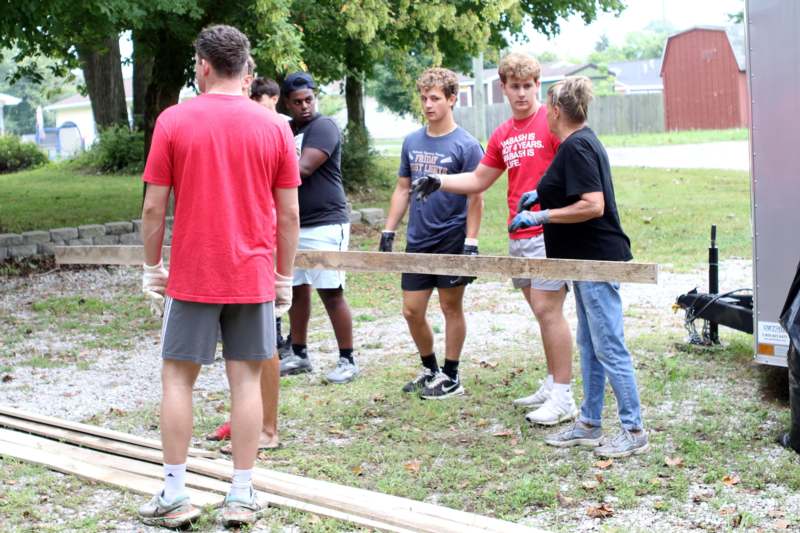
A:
[176,514]
[294,364]
[345,372]
[237,512]
[419,382]
[624,444]
[577,434]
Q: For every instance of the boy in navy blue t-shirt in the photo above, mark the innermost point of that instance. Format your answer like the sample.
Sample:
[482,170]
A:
[445,224]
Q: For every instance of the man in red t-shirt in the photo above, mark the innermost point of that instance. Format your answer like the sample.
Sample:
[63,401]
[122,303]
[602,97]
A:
[524,147]
[229,163]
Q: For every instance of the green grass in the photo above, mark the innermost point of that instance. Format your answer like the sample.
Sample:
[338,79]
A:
[675,137]
[56,196]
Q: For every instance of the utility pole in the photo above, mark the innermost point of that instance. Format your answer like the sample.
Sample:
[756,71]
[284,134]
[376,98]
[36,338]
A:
[479,100]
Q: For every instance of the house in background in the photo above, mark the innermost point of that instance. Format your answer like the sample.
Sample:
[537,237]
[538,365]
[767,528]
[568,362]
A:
[551,73]
[6,100]
[705,85]
[637,77]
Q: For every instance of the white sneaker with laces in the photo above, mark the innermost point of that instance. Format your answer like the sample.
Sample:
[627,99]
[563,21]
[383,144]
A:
[553,411]
[537,398]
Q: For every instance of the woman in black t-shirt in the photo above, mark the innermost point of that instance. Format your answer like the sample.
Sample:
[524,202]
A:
[580,218]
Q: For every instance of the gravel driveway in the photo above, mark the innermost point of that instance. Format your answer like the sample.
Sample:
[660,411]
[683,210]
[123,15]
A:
[732,155]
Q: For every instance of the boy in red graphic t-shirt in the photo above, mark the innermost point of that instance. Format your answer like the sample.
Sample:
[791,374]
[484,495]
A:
[230,163]
[524,147]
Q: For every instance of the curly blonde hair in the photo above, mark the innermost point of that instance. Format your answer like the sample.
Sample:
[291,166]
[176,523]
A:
[573,95]
[519,66]
[439,78]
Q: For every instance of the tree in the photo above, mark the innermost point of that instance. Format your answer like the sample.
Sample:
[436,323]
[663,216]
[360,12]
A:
[646,44]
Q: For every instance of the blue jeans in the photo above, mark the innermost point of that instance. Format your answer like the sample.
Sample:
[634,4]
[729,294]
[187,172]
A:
[601,341]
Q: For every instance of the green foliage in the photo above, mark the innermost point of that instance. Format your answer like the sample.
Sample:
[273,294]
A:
[330,104]
[117,150]
[646,44]
[16,155]
[359,168]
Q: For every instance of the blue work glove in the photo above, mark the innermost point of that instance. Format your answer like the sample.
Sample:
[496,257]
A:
[470,248]
[425,186]
[527,200]
[528,219]
[387,241]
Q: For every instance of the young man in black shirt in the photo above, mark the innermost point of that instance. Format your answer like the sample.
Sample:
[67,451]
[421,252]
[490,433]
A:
[324,225]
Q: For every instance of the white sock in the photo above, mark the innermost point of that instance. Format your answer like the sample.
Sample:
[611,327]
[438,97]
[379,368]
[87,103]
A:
[241,484]
[562,391]
[548,382]
[174,481]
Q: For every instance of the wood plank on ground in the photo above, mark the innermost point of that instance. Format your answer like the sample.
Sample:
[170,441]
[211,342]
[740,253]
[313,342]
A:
[111,476]
[392,510]
[455,265]
[95,430]
[195,481]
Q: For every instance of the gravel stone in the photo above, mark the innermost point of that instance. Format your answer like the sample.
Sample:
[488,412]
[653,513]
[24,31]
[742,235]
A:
[10,239]
[80,242]
[130,238]
[22,250]
[3,253]
[46,248]
[118,228]
[91,230]
[63,234]
[355,217]
[105,240]
[372,215]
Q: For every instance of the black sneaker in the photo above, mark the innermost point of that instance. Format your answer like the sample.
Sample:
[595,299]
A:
[419,382]
[285,347]
[441,387]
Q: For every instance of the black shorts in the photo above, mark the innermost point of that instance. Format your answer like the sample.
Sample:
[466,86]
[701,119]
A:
[453,243]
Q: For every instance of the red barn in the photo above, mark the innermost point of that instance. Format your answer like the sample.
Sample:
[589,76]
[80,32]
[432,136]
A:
[705,86]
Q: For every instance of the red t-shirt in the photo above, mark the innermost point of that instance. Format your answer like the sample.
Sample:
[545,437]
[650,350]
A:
[223,155]
[526,148]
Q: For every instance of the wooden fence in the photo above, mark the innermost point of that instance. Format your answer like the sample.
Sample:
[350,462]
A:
[635,113]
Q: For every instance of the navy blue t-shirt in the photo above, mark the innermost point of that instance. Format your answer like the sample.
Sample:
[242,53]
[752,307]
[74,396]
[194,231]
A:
[443,212]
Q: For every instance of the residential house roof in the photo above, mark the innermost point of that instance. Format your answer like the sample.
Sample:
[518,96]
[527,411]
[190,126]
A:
[643,74]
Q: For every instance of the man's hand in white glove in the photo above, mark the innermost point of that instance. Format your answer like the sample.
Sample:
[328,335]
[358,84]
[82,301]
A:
[154,284]
[283,294]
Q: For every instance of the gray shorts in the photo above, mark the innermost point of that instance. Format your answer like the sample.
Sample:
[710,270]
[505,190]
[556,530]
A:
[533,247]
[189,331]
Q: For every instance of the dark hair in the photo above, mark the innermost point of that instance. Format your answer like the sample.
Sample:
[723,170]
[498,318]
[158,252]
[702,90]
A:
[264,87]
[225,47]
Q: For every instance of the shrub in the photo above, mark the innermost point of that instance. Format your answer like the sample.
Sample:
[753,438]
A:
[17,155]
[117,149]
[359,169]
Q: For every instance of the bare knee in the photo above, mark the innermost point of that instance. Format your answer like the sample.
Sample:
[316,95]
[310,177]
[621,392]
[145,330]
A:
[452,310]
[547,309]
[413,315]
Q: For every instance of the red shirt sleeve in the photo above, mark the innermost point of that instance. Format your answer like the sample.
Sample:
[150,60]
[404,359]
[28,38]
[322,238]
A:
[494,153]
[158,169]
[288,174]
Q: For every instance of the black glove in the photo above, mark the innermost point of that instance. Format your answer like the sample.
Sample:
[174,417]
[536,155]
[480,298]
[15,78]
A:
[469,249]
[387,240]
[425,186]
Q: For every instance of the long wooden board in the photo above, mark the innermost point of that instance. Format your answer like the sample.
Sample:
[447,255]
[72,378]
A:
[95,430]
[396,511]
[104,474]
[455,265]
[195,481]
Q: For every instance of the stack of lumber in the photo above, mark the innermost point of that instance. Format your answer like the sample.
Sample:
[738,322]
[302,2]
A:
[133,463]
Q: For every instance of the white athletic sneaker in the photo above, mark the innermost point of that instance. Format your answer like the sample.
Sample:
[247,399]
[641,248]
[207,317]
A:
[537,398]
[553,411]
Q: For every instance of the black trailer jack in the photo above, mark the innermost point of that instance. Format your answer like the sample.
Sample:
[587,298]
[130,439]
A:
[733,309]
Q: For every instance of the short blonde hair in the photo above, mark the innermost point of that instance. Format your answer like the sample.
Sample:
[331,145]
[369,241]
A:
[573,95]
[519,66]
[439,78]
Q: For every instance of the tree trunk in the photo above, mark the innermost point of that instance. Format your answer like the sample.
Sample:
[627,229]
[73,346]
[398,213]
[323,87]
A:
[354,97]
[142,75]
[102,71]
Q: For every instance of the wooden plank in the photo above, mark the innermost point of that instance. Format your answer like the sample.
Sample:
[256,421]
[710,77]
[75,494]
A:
[110,476]
[456,265]
[193,480]
[95,430]
[392,510]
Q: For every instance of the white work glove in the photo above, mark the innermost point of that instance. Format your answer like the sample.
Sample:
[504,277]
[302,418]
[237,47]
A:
[154,285]
[283,294]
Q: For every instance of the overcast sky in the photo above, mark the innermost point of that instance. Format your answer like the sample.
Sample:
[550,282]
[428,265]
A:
[577,40]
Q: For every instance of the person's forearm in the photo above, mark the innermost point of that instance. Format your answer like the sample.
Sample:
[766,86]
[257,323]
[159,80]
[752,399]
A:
[474,215]
[464,183]
[288,236]
[153,232]
[397,208]
[580,211]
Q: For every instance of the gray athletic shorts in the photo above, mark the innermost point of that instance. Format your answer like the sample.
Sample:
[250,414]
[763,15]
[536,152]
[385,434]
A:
[533,247]
[189,331]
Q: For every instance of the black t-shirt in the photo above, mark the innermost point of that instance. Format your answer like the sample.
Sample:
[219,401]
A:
[321,195]
[581,166]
